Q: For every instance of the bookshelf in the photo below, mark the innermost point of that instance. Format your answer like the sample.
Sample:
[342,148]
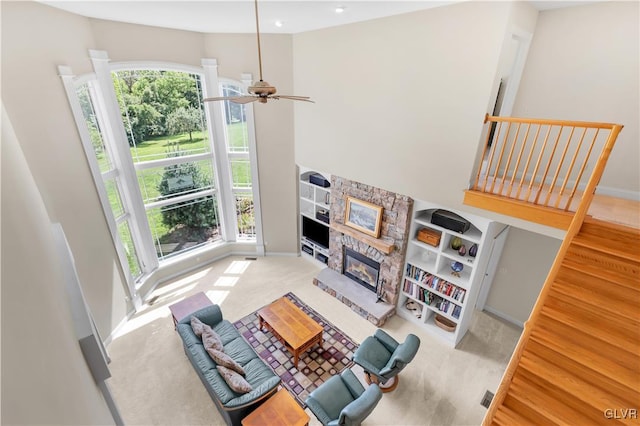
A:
[431,286]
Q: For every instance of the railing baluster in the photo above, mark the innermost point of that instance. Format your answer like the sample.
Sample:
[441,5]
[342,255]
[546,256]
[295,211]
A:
[493,150]
[484,153]
[546,170]
[555,176]
[553,166]
[504,145]
[582,169]
[526,167]
[535,170]
[573,162]
[506,167]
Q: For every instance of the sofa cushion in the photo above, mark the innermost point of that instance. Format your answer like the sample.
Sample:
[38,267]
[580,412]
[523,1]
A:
[240,351]
[200,358]
[256,371]
[210,339]
[226,331]
[221,358]
[235,381]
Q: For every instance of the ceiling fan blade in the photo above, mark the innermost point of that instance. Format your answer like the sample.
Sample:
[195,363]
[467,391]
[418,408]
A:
[294,98]
[235,99]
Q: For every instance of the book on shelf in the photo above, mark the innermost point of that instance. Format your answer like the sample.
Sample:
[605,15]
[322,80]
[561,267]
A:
[456,312]
[434,282]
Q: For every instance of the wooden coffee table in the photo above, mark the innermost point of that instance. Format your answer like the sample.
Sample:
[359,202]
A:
[295,330]
[188,306]
[280,409]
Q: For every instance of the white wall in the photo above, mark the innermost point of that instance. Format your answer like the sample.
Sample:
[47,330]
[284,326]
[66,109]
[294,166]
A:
[45,379]
[583,65]
[35,39]
[400,101]
[524,265]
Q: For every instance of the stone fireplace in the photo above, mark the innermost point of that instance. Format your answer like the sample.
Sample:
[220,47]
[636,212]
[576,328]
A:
[348,249]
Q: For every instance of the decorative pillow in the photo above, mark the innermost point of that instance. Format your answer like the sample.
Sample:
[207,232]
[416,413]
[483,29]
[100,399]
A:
[225,360]
[235,381]
[198,326]
[210,339]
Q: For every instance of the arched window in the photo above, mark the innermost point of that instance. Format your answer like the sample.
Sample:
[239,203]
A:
[173,173]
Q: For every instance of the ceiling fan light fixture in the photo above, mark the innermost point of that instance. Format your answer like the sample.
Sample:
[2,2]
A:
[340,9]
[260,90]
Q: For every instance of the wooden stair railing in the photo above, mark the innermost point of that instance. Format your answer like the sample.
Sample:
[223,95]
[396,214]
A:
[578,358]
[537,170]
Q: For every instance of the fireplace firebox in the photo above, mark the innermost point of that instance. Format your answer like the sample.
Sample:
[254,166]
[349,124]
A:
[361,269]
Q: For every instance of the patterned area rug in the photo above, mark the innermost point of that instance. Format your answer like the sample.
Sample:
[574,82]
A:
[316,365]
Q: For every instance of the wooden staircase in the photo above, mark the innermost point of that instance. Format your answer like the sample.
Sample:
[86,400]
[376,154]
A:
[578,361]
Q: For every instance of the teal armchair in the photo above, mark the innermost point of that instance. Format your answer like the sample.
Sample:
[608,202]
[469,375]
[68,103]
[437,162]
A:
[343,401]
[382,358]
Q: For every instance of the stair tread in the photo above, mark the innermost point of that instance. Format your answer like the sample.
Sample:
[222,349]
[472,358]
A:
[560,394]
[595,273]
[581,338]
[603,265]
[504,416]
[615,239]
[590,356]
[592,321]
[548,410]
[623,393]
[578,388]
[622,310]
[610,288]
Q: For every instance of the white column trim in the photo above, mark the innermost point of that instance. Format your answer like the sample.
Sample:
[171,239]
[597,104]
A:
[69,83]
[226,202]
[247,79]
[139,222]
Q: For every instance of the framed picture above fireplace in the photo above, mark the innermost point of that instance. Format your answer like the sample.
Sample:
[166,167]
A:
[363,216]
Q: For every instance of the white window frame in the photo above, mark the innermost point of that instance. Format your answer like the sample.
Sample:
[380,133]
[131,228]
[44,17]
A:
[125,168]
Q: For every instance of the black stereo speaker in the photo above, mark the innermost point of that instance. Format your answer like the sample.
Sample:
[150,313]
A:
[318,179]
[450,220]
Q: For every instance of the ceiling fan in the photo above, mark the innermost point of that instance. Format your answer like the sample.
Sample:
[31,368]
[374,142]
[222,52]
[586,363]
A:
[260,91]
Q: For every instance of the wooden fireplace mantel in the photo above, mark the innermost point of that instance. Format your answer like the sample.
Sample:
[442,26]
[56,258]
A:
[382,245]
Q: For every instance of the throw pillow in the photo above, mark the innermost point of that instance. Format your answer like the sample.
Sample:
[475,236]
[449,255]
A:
[235,381]
[198,326]
[225,360]
[210,339]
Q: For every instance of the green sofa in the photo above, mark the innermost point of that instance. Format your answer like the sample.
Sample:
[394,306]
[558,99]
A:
[232,406]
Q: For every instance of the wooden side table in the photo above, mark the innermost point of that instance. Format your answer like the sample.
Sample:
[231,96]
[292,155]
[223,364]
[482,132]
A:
[188,306]
[281,409]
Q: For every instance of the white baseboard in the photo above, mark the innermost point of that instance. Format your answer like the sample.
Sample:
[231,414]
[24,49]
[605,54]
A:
[118,327]
[618,193]
[504,316]
[285,254]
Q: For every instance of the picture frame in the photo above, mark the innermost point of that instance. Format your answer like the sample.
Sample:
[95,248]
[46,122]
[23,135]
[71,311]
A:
[363,216]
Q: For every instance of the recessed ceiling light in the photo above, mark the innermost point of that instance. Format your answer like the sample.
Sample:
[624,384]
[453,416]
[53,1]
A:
[340,9]
[279,24]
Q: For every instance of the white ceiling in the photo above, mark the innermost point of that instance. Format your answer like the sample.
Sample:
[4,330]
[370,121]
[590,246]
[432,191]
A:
[237,16]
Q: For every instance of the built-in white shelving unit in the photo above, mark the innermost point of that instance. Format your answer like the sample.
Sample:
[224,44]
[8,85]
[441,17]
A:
[315,204]
[430,286]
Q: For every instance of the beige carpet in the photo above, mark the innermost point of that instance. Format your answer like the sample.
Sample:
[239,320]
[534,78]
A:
[154,383]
